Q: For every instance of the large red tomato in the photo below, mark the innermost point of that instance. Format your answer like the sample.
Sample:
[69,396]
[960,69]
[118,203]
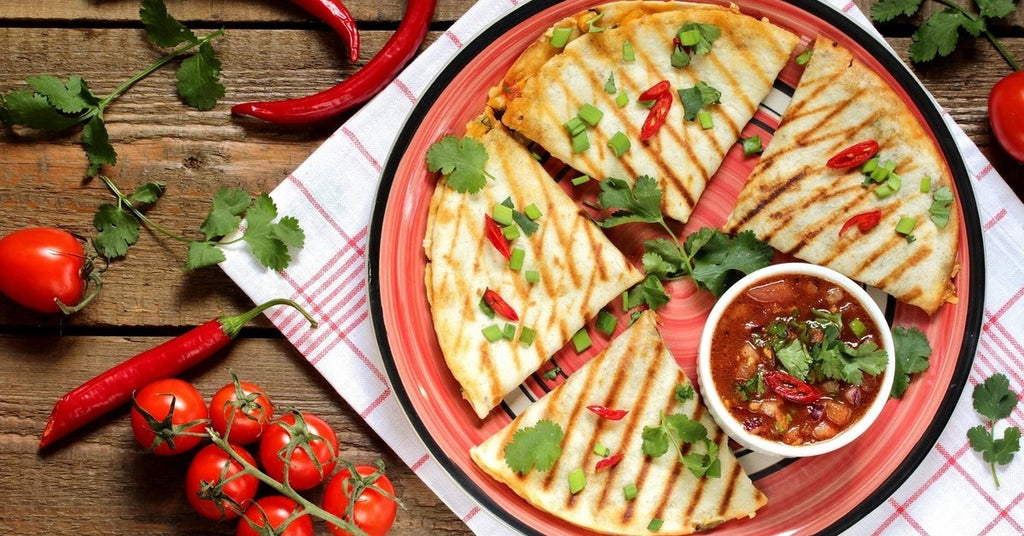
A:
[42,265]
[1006,113]
[168,416]
[373,511]
[211,486]
[288,438]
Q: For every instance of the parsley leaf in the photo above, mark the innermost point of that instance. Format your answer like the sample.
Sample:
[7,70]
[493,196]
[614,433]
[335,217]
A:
[697,97]
[462,160]
[912,353]
[534,447]
[994,400]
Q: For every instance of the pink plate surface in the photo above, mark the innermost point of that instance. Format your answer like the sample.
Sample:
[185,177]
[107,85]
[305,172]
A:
[824,493]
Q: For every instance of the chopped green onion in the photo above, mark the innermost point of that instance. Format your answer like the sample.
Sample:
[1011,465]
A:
[502,214]
[752,145]
[493,333]
[804,57]
[629,491]
[577,481]
[582,179]
[628,54]
[601,450]
[589,113]
[532,212]
[560,36]
[622,99]
[606,322]
[869,166]
[517,258]
[926,184]
[536,156]
[705,119]
[883,170]
[532,276]
[527,336]
[892,185]
[858,328]
[619,143]
[655,525]
[581,340]
[689,38]
[595,29]
[552,372]
[609,85]
[509,332]
[634,316]
[942,205]
[906,225]
[575,126]
[511,232]
[679,58]
[580,143]
[486,308]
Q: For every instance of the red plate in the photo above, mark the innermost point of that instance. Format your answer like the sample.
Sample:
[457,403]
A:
[822,494]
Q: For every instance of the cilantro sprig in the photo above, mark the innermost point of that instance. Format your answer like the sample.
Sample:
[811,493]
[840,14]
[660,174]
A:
[939,34]
[534,447]
[269,240]
[462,160]
[912,353]
[994,400]
[56,105]
[674,432]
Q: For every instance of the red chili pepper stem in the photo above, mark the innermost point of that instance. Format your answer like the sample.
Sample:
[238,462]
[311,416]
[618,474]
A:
[114,387]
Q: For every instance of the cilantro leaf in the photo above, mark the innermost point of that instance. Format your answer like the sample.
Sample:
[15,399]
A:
[462,160]
[202,254]
[995,8]
[97,145]
[199,79]
[70,98]
[147,193]
[993,399]
[648,292]
[912,353]
[655,440]
[118,229]
[697,97]
[161,28]
[684,392]
[267,248]
[886,10]
[640,203]
[522,220]
[708,34]
[225,212]
[534,447]
[937,36]
[28,108]
[795,359]
[676,430]
[722,260]
[687,429]
[287,230]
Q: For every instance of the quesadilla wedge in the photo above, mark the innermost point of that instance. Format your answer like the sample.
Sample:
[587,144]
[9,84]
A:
[800,206]
[636,372]
[569,271]
[733,54]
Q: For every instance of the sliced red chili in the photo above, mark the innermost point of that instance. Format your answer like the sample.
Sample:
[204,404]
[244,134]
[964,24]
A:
[607,413]
[864,221]
[610,461]
[656,117]
[853,155]
[655,91]
[791,388]
[496,237]
[499,305]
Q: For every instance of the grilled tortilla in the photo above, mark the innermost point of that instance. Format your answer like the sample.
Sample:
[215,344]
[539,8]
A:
[798,205]
[638,373]
[681,156]
[580,272]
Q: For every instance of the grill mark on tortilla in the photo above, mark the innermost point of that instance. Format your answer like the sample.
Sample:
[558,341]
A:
[825,221]
[917,258]
[573,418]
[771,196]
[730,487]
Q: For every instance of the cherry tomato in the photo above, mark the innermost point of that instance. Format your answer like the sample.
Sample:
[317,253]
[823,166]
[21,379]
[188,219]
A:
[41,266]
[168,416]
[273,510]
[210,488]
[243,405]
[853,155]
[373,511]
[291,438]
[1006,113]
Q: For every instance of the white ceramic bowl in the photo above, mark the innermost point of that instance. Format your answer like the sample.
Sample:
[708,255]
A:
[732,426]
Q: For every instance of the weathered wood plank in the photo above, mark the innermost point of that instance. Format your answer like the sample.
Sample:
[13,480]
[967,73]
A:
[100,482]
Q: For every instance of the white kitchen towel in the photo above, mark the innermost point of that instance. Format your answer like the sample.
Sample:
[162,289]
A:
[332,194]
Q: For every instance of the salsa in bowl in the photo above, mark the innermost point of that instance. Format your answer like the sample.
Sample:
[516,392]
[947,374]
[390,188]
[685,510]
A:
[795,360]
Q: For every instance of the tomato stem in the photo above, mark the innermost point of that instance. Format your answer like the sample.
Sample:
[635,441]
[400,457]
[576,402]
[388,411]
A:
[97,281]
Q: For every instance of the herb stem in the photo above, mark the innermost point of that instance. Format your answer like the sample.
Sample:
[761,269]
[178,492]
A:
[992,464]
[123,199]
[988,35]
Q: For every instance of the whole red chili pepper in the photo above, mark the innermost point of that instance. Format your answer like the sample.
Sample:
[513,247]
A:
[791,388]
[853,155]
[499,305]
[337,16]
[864,221]
[610,461]
[496,237]
[606,413]
[114,387]
[359,87]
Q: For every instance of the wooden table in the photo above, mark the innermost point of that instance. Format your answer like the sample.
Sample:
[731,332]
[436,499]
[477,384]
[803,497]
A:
[99,482]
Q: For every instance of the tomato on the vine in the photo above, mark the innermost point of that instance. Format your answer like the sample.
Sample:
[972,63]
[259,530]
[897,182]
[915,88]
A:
[245,407]
[1006,113]
[267,514]
[365,498]
[44,269]
[211,484]
[168,416]
[294,437]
